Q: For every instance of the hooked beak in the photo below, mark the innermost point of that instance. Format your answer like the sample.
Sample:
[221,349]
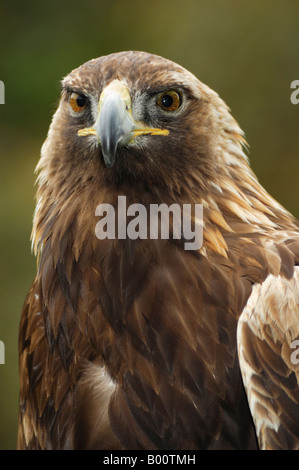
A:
[115,125]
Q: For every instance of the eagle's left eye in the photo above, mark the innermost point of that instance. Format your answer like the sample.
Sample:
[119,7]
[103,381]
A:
[77,101]
[169,100]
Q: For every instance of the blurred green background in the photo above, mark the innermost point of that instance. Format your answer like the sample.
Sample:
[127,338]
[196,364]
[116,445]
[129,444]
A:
[246,50]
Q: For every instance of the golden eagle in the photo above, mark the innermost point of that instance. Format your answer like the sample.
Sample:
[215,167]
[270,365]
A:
[136,342]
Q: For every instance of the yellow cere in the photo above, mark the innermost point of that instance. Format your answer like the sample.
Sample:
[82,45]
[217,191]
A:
[87,131]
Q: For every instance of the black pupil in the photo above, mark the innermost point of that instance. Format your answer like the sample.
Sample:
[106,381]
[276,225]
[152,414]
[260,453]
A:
[81,100]
[167,101]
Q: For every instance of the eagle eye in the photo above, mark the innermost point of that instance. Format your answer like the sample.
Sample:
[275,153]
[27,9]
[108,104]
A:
[169,100]
[77,101]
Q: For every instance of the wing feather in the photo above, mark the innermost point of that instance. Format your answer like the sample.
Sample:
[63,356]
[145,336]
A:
[267,331]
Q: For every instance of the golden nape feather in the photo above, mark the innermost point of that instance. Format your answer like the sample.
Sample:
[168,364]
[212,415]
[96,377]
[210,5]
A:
[132,337]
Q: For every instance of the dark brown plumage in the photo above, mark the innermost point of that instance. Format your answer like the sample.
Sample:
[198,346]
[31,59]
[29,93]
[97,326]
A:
[140,344]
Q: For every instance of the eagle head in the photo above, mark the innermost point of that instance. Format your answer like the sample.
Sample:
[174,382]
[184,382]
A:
[139,117]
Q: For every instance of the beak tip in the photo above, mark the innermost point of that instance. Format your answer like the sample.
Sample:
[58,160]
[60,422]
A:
[109,160]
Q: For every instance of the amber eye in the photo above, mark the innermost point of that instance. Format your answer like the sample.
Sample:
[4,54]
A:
[77,102]
[170,100]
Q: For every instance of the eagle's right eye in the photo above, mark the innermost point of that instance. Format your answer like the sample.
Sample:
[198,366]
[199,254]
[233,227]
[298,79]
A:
[169,100]
[78,102]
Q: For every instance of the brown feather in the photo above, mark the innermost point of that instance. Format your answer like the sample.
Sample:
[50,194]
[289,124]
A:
[131,344]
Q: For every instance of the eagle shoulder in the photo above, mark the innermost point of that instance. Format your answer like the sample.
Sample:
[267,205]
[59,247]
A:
[268,332]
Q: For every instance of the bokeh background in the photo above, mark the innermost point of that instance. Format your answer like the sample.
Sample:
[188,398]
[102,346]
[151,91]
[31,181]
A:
[248,51]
